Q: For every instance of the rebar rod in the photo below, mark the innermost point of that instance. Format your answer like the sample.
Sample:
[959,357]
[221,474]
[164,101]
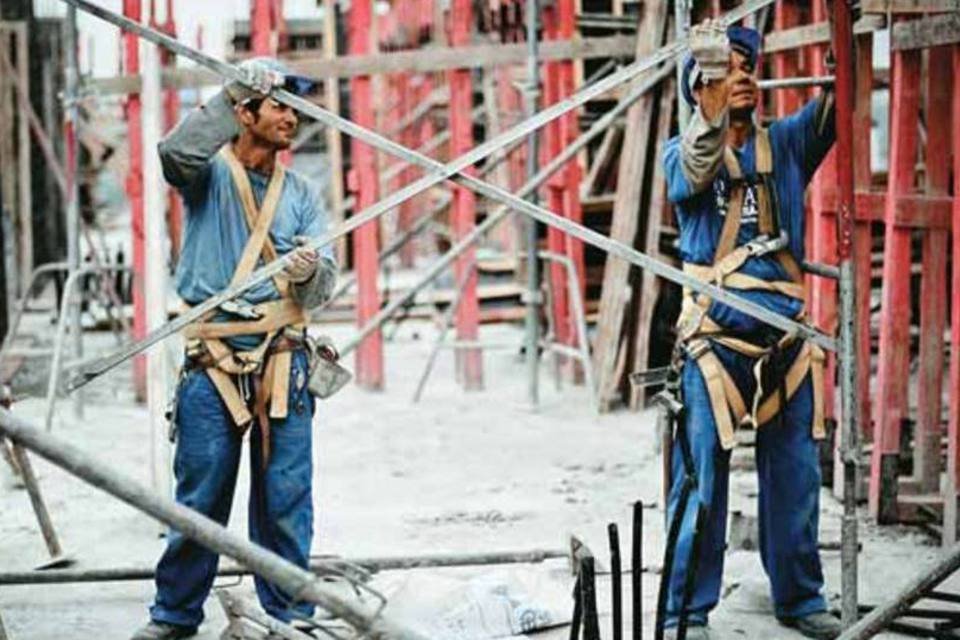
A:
[532,320]
[300,583]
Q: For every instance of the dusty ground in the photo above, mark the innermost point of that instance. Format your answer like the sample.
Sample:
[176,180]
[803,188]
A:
[457,472]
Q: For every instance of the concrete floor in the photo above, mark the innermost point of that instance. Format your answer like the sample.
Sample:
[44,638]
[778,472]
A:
[458,472]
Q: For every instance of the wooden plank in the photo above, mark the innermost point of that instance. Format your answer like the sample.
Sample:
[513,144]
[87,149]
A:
[909,6]
[815,33]
[911,210]
[415,61]
[952,485]
[633,159]
[933,291]
[649,286]
[605,156]
[926,32]
[894,358]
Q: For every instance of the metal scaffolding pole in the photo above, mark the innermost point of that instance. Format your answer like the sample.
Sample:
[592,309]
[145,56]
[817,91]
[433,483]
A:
[302,584]
[849,413]
[530,94]
[71,122]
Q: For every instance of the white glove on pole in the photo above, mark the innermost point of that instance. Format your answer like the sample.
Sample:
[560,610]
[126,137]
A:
[258,82]
[710,49]
[303,262]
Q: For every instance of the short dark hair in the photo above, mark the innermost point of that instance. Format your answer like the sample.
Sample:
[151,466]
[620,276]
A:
[253,106]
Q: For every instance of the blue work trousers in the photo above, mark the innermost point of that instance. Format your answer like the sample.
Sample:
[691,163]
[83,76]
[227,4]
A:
[789,474]
[205,465]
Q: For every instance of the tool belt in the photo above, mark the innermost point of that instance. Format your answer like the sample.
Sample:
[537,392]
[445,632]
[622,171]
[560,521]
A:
[777,382]
[282,323]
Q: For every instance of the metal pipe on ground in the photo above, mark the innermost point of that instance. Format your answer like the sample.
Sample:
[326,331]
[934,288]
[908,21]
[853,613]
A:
[318,565]
[531,92]
[453,170]
[302,584]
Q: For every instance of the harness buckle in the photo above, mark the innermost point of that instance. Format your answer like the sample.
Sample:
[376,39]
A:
[242,309]
[762,245]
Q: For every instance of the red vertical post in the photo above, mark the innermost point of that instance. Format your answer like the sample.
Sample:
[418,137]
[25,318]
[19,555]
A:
[134,187]
[933,278]
[405,24]
[364,183]
[572,172]
[555,186]
[950,515]
[786,101]
[894,369]
[822,292]
[464,202]
[261,31]
[171,114]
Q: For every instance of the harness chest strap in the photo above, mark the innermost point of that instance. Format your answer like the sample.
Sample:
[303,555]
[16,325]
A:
[272,385]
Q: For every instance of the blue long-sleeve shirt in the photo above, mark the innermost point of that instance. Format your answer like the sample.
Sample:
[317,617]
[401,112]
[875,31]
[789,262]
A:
[215,230]
[699,186]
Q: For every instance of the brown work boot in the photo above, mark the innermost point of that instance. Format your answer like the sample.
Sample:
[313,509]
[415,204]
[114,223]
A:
[820,625]
[163,631]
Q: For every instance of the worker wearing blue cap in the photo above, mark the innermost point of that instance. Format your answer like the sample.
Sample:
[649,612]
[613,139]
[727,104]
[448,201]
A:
[738,191]
[246,367]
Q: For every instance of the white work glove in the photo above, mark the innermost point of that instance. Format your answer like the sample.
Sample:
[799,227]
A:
[301,262]
[710,48]
[258,81]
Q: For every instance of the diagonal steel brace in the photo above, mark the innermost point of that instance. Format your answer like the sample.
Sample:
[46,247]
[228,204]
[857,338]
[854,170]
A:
[440,172]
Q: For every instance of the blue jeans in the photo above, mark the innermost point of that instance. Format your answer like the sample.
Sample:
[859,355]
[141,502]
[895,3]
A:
[205,465]
[789,474]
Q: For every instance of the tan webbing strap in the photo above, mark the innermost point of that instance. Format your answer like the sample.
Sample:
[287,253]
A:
[807,360]
[764,153]
[276,314]
[259,219]
[280,389]
[731,224]
[817,360]
[231,398]
[713,377]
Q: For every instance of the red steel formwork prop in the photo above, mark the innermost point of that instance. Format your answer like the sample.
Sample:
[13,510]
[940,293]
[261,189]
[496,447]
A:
[915,205]
[134,188]
[171,115]
[952,484]
[463,216]
[364,182]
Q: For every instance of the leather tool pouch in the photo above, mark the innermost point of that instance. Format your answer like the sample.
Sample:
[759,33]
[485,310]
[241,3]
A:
[327,376]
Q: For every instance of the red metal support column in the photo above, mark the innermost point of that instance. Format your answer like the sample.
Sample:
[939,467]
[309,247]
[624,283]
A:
[261,31]
[364,183]
[952,489]
[464,202]
[785,63]
[555,186]
[134,187]
[171,115]
[933,278]
[822,292]
[894,368]
[572,172]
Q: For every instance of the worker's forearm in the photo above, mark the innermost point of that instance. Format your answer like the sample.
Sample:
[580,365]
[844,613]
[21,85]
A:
[701,147]
[185,151]
[317,289]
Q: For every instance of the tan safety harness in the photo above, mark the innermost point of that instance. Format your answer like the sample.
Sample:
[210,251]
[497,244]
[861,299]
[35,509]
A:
[267,365]
[698,332]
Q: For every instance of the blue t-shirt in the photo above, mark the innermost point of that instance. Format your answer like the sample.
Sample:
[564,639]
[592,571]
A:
[797,148]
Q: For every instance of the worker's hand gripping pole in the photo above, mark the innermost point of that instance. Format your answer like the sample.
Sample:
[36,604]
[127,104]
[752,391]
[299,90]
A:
[439,172]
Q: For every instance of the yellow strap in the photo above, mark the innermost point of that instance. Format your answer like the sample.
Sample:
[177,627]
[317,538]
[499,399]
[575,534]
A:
[259,219]
[276,314]
[713,376]
[280,387]
[231,398]
[764,153]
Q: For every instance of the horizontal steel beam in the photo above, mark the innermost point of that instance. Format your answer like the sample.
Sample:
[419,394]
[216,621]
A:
[321,566]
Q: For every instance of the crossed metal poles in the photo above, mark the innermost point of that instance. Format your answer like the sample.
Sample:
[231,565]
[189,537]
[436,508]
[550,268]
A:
[439,173]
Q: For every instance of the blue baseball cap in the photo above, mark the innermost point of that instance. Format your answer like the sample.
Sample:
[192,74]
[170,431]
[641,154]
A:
[743,40]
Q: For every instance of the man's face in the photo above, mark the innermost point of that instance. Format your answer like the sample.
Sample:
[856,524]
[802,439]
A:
[744,93]
[274,123]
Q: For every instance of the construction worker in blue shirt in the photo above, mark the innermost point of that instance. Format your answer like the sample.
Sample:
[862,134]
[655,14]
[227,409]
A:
[247,365]
[737,189]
